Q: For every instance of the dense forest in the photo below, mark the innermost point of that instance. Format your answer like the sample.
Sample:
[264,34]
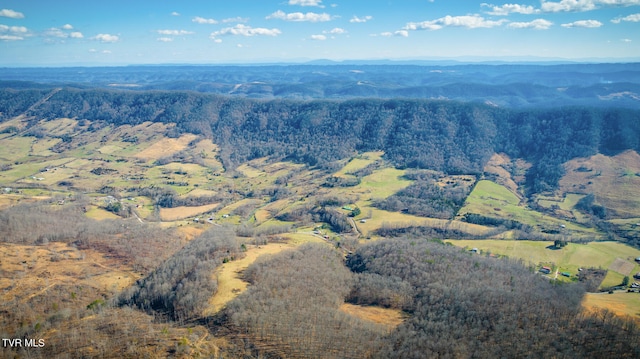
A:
[440,135]
[466,305]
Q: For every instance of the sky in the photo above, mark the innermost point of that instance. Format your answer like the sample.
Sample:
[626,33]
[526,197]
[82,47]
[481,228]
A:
[116,32]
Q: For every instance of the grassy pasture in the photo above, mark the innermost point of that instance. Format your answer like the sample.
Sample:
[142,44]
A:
[16,148]
[173,214]
[613,180]
[359,162]
[380,217]
[492,200]
[21,173]
[166,147]
[620,303]
[389,318]
[250,171]
[229,275]
[568,259]
[41,267]
[42,147]
[59,127]
[98,213]
[383,183]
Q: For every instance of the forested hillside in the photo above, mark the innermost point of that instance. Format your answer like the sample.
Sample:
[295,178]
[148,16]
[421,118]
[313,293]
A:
[440,135]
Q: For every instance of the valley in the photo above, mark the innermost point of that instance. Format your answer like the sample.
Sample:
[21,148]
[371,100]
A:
[228,226]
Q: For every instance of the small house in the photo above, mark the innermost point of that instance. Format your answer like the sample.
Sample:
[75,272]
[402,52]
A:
[545,270]
[636,276]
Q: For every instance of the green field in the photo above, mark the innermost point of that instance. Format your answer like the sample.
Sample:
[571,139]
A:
[493,200]
[567,259]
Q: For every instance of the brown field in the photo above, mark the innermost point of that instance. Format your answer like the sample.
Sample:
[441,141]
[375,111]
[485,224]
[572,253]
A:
[31,270]
[100,214]
[390,318]
[59,126]
[250,171]
[380,217]
[166,147]
[613,180]
[496,166]
[173,214]
[191,232]
[622,266]
[230,284]
[621,303]
[200,192]
[262,215]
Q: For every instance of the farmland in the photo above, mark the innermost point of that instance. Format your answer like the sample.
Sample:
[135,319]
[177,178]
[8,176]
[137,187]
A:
[297,237]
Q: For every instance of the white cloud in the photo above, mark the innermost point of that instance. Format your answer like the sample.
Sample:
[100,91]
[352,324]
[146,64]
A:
[108,38]
[12,14]
[93,51]
[298,16]
[507,9]
[583,23]
[568,5]
[165,39]
[235,19]
[55,32]
[306,3]
[10,38]
[626,40]
[217,41]
[67,27]
[537,24]
[175,32]
[401,33]
[76,35]
[584,5]
[106,51]
[468,21]
[629,18]
[244,30]
[336,31]
[175,13]
[201,20]
[361,19]
[318,37]
[15,29]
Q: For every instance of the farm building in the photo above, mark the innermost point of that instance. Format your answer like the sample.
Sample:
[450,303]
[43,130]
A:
[637,275]
[545,270]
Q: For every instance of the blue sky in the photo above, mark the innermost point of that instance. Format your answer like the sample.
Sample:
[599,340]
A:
[115,32]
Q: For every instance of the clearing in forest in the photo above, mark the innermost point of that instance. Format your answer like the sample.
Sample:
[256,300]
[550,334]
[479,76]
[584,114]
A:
[229,275]
[390,318]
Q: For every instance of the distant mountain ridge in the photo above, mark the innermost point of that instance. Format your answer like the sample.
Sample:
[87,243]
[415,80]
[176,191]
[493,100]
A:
[505,85]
